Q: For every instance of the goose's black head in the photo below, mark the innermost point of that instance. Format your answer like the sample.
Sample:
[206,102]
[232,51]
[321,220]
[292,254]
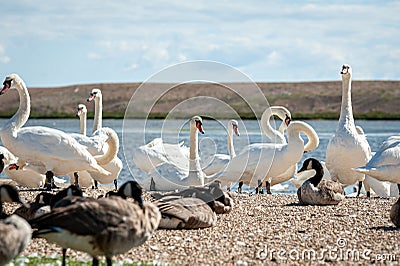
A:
[133,190]
[9,193]
[314,164]
[72,190]
[1,162]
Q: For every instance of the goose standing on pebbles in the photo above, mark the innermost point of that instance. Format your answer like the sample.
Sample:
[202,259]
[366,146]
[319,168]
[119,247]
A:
[45,150]
[347,149]
[15,232]
[100,227]
[316,191]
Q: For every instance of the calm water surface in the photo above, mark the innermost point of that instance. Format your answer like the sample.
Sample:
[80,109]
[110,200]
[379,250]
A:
[134,133]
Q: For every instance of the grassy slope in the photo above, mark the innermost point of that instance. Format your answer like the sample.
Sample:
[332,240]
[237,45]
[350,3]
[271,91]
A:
[371,99]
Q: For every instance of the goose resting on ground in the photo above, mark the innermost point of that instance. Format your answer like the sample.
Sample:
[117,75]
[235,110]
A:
[316,191]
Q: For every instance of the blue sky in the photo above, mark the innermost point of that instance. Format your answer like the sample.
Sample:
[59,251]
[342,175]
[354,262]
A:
[70,42]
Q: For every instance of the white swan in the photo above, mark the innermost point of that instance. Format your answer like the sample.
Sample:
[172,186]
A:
[347,149]
[26,178]
[268,161]
[169,176]
[219,161]
[385,164]
[276,136]
[115,165]
[45,149]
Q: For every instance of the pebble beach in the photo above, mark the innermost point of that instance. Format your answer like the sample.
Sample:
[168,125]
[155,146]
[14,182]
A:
[264,229]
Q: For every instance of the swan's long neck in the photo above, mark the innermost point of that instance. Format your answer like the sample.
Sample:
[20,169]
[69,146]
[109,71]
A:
[195,170]
[21,116]
[113,146]
[98,113]
[231,148]
[269,131]
[346,110]
[82,119]
[296,143]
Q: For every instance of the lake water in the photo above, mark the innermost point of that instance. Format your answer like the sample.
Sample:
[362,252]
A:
[135,132]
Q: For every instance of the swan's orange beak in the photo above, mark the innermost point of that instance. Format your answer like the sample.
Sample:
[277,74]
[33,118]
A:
[287,120]
[91,97]
[236,130]
[199,127]
[13,166]
[79,112]
[7,85]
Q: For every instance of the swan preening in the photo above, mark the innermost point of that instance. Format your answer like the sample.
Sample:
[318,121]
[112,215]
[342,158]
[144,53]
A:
[98,144]
[43,149]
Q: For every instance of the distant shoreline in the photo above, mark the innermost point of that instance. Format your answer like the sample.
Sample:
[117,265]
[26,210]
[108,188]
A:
[371,100]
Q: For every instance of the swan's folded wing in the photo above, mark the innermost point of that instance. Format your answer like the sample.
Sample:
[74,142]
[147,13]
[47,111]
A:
[49,141]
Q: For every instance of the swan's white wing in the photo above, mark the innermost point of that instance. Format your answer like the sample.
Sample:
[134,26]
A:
[168,176]
[114,167]
[9,158]
[93,146]
[48,141]
[148,156]
[215,164]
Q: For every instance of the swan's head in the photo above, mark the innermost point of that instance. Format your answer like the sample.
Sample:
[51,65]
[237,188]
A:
[95,93]
[346,71]
[10,82]
[283,113]
[198,123]
[9,193]
[313,164]
[81,110]
[235,127]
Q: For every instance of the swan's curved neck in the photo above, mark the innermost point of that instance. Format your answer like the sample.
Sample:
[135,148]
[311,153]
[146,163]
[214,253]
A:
[98,113]
[113,146]
[294,138]
[82,119]
[21,116]
[195,170]
[346,110]
[269,131]
[231,148]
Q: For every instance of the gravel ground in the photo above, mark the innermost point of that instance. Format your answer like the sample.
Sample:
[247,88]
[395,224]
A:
[265,229]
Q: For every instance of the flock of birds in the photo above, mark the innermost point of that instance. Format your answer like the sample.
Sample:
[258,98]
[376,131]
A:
[120,220]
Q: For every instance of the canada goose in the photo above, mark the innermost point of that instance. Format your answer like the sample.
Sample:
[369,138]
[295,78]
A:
[395,213]
[100,227]
[45,201]
[316,191]
[15,232]
[223,203]
[185,213]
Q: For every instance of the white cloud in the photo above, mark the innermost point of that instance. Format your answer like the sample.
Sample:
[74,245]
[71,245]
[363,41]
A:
[253,36]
